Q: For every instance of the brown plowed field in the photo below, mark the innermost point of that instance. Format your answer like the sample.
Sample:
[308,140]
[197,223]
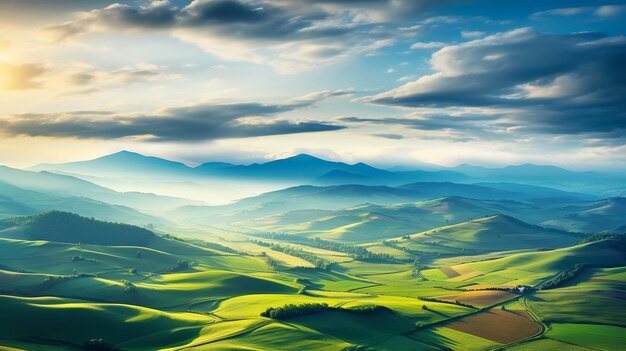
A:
[481,298]
[449,272]
[497,325]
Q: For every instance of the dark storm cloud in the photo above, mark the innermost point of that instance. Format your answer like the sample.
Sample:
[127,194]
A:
[388,136]
[188,123]
[437,122]
[288,35]
[462,128]
[230,18]
[383,10]
[560,84]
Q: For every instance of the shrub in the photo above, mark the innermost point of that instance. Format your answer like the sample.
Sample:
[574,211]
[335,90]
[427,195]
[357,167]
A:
[97,345]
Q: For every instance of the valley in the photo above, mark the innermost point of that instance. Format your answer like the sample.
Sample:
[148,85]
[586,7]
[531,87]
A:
[432,266]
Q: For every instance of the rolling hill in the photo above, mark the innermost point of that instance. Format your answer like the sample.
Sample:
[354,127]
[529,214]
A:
[64,227]
[15,202]
[70,228]
[365,223]
[495,233]
[64,186]
[309,197]
[608,215]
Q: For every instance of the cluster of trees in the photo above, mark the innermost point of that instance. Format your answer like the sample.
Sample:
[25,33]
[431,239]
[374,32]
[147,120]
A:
[297,252]
[562,277]
[270,262]
[498,288]
[129,287]
[456,302]
[172,237]
[202,243]
[97,345]
[617,241]
[181,265]
[357,252]
[76,274]
[366,309]
[292,311]
[52,280]
[395,245]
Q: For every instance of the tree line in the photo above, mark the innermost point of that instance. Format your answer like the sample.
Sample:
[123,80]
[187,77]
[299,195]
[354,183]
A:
[359,253]
[289,311]
[319,263]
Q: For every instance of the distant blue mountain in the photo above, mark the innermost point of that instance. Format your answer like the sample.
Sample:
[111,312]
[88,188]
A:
[344,196]
[119,164]
[302,168]
[64,186]
[308,169]
[526,171]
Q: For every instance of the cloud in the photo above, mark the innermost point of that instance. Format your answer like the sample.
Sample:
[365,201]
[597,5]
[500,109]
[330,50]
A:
[472,34]
[208,121]
[137,73]
[598,11]
[453,127]
[575,85]
[428,45]
[609,10]
[288,35]
[388,136]
[20,76]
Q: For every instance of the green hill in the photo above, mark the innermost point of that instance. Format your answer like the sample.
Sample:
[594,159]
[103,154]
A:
[608,215]
[534,267]
[366,223]
[71,228]
[496,233]
[16,201]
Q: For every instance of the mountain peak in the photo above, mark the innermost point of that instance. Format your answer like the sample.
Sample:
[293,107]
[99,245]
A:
[303,156]
[300,159]
[123,154]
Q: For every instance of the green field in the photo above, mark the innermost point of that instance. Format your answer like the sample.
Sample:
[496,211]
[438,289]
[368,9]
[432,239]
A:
[184,294]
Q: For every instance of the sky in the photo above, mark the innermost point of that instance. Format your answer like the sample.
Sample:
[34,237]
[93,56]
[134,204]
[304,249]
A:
[388,82]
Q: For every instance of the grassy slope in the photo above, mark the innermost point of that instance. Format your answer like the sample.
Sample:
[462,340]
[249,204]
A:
[530,268]
[75,321]
[237,288]
[494,233]
[374,222]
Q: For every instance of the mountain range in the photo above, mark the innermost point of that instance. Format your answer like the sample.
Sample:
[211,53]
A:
[306,169]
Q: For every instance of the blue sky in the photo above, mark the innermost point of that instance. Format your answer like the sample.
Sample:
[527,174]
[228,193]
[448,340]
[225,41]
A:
[386,82]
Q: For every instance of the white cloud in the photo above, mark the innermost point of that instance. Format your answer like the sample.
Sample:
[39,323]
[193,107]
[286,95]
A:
[609,10]
[472,34]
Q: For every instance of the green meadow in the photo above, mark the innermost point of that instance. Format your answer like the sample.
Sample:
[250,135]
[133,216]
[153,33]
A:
[451,287]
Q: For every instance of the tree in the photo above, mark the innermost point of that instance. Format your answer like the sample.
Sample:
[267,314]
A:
[181,265]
